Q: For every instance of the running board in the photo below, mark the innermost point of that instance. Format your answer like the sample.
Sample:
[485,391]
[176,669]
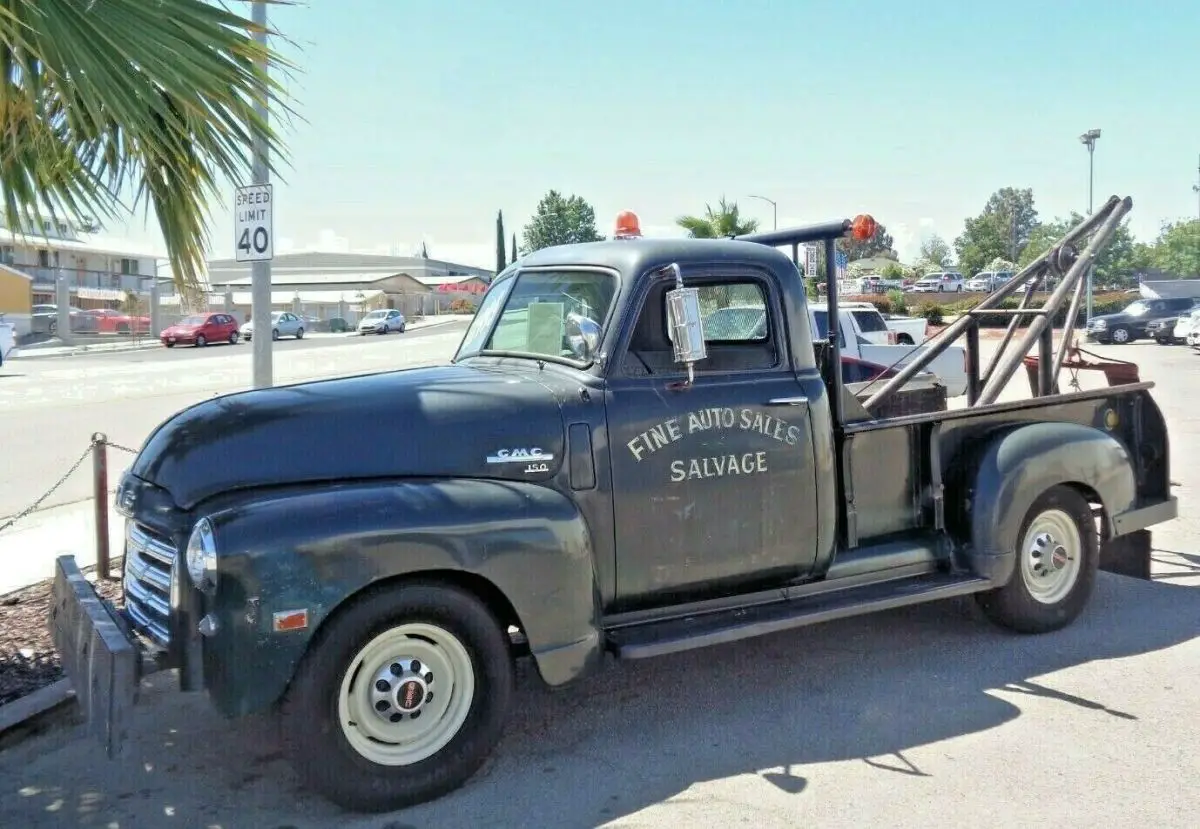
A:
[675,635]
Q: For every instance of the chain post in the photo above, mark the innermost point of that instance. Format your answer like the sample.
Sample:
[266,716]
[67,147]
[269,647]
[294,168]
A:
[100,496]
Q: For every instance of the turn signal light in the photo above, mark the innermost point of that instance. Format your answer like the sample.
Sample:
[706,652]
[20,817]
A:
[863,227]
[628,226]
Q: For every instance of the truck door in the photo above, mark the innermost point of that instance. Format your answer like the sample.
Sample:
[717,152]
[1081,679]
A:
[713,483]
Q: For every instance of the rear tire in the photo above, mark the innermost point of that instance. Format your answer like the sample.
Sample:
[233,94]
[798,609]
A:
[299,333]
[1058,556]
[345,725]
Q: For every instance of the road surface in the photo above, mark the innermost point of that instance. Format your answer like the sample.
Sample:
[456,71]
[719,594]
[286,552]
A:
[50,406]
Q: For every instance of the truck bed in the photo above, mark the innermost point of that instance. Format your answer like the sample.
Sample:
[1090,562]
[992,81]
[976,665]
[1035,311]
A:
[895,469]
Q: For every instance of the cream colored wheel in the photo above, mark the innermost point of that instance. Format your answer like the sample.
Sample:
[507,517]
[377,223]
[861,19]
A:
[1052,557]
[406,694]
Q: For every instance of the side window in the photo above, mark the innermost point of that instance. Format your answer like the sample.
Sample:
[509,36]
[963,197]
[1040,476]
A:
[734,313]
[869,321]
[738,328]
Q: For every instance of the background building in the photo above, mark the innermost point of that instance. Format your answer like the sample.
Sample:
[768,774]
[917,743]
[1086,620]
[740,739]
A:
[99,272]
[327,285]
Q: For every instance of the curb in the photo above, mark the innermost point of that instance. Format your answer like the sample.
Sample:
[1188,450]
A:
[34,713]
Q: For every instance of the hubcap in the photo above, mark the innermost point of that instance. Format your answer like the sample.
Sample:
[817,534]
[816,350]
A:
[1051,558]
[406,694]
[1120,335]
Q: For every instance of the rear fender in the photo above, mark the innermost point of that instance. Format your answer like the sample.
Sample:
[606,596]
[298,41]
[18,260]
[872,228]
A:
[1016,467]
[524,547]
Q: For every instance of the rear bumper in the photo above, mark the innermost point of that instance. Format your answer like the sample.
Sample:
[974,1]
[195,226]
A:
[102,657]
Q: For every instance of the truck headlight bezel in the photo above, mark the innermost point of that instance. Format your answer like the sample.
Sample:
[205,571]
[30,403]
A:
[202,556]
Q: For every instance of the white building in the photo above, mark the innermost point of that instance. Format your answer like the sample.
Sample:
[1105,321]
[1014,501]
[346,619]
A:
[99,270]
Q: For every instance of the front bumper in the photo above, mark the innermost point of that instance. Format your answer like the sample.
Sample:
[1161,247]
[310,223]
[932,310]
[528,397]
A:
[101,655]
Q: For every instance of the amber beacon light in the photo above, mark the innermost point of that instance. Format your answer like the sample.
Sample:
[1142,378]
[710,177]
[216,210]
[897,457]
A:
[863,227]
[628,226]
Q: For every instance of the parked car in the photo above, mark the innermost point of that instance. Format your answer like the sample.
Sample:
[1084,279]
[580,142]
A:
[1184,324]
[8,340]
[44,320]
[112,321]
[383,321]
[939,282]
[1162,330]
[1193,334]
[283,324]
[1130,324]
[988,281]
[200,330]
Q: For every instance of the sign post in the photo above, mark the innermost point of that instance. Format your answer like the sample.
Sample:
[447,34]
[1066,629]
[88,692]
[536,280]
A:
[255,230]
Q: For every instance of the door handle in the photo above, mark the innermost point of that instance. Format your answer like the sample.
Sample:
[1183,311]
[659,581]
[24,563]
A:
[788,401]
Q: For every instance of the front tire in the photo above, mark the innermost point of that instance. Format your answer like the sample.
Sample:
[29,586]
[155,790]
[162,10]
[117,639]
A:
[448,672]
[1120,335]
[1058,556]
[201,341]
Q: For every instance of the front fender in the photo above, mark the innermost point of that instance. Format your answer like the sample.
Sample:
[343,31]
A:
[1018,466]
[316,549]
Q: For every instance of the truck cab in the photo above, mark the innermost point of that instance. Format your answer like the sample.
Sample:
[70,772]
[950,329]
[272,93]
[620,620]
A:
[612,464]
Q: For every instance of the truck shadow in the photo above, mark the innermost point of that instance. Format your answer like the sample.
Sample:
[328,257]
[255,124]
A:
[869,690]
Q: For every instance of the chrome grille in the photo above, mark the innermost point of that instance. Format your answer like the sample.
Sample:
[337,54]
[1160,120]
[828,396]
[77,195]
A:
[148,559]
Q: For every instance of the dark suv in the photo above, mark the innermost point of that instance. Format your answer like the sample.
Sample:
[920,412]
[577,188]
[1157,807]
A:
[1130,324]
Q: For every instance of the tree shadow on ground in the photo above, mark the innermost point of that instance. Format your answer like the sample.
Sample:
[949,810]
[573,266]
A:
[869,689]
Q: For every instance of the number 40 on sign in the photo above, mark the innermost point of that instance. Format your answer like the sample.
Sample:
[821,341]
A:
[254,223]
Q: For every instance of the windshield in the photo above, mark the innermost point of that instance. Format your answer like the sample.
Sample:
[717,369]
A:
[195,320]
[374,315]
[1137,308]
[552,314]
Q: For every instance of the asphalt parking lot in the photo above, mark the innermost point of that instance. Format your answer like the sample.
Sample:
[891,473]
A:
[923,717]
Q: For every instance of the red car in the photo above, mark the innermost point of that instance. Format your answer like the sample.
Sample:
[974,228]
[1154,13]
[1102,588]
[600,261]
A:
[200,330]
[110,321]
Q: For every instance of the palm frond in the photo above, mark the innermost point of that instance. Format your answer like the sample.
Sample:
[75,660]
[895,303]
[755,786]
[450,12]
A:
[159,95]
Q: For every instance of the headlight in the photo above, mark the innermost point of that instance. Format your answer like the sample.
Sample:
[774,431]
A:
[1099,324]
[202,556]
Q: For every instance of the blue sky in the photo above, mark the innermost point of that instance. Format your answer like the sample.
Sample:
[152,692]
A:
[421,119]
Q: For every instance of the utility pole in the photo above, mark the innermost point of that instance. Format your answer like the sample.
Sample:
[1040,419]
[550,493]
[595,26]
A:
[774,211]
[1088,139]
[260,274]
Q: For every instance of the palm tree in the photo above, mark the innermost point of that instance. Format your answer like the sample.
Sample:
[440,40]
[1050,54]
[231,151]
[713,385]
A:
[715,224]
[158,97]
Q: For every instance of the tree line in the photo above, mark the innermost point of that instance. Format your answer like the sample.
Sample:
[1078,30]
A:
[1007,234]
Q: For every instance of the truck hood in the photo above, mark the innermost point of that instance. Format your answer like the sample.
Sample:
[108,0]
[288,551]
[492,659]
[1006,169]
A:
[445,421]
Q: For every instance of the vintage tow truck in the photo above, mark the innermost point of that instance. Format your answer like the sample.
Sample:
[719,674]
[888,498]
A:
[593,475]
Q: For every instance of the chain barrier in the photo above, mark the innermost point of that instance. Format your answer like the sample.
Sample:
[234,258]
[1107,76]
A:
[97,440]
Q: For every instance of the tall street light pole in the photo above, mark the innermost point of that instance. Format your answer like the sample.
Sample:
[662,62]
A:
[260,274]
[774,210]
[1088,139]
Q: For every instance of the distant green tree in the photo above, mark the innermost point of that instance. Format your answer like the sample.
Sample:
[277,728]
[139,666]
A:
[560,220]
[726,220]
[1177,248]
[514,249]
[501,257]
[1002,230]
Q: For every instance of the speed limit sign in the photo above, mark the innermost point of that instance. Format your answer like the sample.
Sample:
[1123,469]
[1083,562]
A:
[254,223]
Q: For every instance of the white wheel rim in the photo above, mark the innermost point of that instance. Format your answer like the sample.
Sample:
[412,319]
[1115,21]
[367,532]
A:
[430,702]
[1051,556]
[1120,335]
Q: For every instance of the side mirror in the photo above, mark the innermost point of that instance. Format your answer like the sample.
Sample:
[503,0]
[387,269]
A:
[583,334]
[685,324]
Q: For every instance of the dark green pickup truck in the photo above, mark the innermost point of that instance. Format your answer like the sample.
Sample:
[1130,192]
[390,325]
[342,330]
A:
[590,475]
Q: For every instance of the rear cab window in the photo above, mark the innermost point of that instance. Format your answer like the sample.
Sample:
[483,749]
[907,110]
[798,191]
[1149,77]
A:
[869,322]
